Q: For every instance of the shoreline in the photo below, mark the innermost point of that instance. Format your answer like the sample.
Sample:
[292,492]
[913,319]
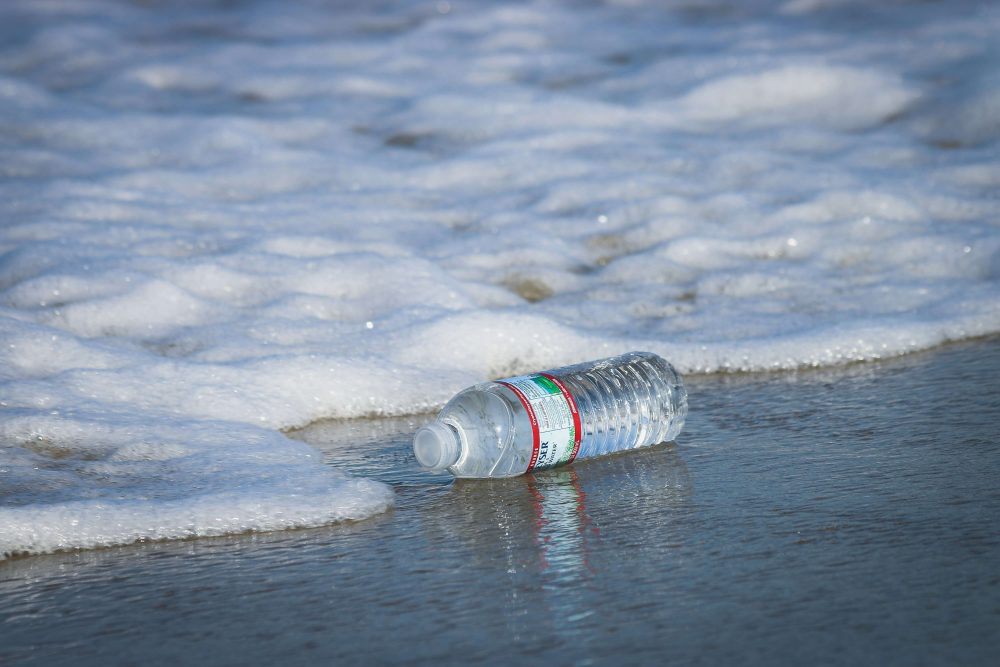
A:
[793,511]
[293,431]
[414,419]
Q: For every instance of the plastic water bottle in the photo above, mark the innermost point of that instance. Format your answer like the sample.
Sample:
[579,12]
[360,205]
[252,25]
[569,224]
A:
[512,426]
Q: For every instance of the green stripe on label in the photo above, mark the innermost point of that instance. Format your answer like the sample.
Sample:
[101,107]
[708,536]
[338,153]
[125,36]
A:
[546,384]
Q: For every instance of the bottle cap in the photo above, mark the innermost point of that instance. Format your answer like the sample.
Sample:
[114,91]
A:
[436,445]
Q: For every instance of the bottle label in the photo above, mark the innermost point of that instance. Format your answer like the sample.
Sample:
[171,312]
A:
[555,420]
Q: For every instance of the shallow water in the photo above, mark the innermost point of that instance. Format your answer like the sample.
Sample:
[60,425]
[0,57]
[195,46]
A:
[848,515]
[221,220]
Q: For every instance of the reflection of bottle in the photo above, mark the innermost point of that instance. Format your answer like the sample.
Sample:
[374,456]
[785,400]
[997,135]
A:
[556,538]
[512,426]
[561,523]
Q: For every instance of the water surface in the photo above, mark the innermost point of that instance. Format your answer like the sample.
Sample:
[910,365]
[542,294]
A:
[845,516]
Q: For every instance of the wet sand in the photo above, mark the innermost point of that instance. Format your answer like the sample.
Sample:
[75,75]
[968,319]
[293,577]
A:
[841,516]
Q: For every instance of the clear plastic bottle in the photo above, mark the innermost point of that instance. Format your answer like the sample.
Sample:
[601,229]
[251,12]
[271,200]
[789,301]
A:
[512,426]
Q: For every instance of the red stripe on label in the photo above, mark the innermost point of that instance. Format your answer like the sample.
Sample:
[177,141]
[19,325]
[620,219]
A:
[535,437]
[577,431]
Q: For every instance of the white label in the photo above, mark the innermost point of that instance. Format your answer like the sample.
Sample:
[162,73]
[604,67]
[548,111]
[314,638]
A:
[555,421]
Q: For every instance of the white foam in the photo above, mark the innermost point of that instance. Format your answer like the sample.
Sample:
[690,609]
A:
[161,478]
[296,213]
[840,97]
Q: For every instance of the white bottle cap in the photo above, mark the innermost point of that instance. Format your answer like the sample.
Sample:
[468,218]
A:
[436,445]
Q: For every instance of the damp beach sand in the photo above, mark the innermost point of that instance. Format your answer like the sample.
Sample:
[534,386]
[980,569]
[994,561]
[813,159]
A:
[838,516]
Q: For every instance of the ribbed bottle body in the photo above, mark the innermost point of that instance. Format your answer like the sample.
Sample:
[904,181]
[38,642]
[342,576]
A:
[512,426]
[633,400]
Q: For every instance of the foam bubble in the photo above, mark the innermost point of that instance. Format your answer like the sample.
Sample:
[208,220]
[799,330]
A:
[838,97]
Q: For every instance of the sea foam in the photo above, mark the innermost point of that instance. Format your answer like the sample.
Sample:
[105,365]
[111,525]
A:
[219,223]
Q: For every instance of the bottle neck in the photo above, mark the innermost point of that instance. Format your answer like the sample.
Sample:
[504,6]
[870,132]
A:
[436,445]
